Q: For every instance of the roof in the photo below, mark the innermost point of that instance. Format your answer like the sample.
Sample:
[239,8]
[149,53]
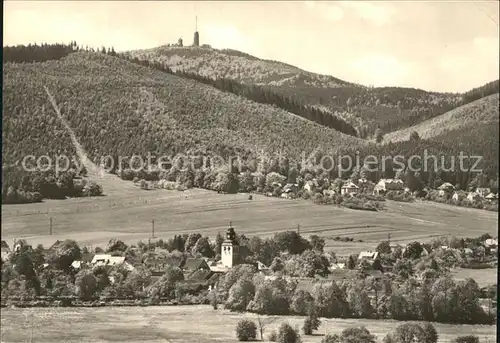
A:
[261,266]
[200,275]
[55,245]
[375,273]
[491,241]
[491,196]
[195,263]
[174,262]
[368,254]
[396,184]
[446,186]
[349,184]
[76,264]
[106,259]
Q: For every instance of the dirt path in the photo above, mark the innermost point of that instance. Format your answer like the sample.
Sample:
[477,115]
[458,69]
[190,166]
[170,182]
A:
[111,184]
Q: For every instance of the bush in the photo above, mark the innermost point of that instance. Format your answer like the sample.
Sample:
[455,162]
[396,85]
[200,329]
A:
[466,339]
[286,334]
[273,336]
[246,330]
[330,339]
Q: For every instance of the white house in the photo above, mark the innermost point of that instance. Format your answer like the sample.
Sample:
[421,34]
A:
[482,191]
[446,189]
[349,188]
[335,266]
[369,255]
[491,197]
[385,185]
[491,242]
[108,260]
[473,196]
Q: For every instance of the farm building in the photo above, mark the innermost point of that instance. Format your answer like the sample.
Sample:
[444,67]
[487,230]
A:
[385,185]
[349,188]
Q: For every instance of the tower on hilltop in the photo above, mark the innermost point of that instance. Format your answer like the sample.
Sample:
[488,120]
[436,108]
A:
[230,250]
[196,40]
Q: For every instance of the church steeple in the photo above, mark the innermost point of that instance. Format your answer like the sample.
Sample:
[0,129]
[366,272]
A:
[230,250]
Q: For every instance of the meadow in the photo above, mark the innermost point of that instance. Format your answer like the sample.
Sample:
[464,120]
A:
[180,324]
[128,215]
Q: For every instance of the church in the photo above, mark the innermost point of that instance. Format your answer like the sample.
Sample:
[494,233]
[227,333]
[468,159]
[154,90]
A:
[232,253]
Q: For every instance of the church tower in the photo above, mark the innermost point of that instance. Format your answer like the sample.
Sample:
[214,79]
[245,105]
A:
[196,40]
[230,250]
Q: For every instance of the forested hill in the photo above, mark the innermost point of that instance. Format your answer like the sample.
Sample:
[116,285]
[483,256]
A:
[366,108]
[121,108]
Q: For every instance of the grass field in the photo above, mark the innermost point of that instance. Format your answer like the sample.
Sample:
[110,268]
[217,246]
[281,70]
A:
[186,324]
[128,214]
[483,277]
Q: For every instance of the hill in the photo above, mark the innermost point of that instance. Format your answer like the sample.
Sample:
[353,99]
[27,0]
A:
[367,108]
[120,108]
[477,113]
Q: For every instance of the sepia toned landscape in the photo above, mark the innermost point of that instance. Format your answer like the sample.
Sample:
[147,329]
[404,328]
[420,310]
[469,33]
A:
[254,182]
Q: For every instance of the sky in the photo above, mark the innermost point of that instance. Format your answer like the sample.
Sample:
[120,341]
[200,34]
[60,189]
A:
[445,46]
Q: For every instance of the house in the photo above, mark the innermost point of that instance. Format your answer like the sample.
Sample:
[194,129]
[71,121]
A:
[311,185]
[5,251]
[459,196]
[385,185]
[335,266]
[491,243]
[349,188]
[362,181]
[491,197]
[482,191]
[329,192]
[473,196]
[108,260]
[368,255]
[468,251]
[290,188]
[196,264]
[446,189]
[261,266]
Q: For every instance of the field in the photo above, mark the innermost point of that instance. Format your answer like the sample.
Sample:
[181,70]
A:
[171,324]
[483,277]
[127,214]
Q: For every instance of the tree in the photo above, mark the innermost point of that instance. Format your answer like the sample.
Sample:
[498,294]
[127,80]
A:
[66,252]
[262,326]
[351,262]
[91,189]
[430,334]
[203,248]
[408,333]
[311,323]
[286,334]
[357,335]
[413,250]
[240,295]
[383,247]
[414,137]
[246,330]
[302,302]
[403,268]
[317,243]
[86,284]
[116,245]
[292,242]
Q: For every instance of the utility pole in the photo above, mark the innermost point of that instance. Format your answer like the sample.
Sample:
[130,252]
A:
[153,228]
[31,334]
[389,238]
[50,227]
[298,229]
